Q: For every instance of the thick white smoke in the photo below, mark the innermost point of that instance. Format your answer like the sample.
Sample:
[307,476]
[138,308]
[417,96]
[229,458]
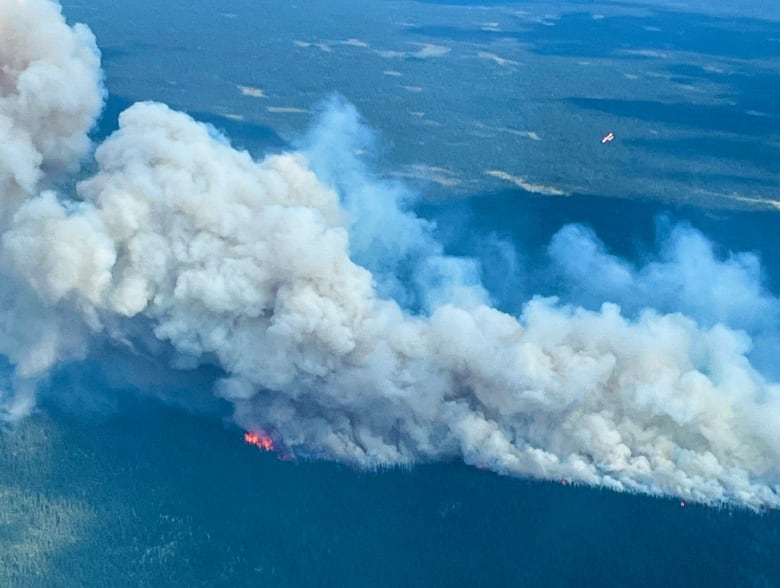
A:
[251,264]
[50,96]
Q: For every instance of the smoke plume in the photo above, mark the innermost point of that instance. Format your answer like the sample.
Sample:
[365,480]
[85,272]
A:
[50,96]
[344,330]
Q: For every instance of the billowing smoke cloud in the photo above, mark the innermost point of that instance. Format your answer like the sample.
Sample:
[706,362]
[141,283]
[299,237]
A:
[399,248]
[264,268]
[687,277]
[50,96]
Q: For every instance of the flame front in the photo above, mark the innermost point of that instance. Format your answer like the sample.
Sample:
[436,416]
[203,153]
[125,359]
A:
[259,440]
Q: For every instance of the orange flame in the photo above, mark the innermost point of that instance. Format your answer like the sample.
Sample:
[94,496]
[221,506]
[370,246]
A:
[259,440]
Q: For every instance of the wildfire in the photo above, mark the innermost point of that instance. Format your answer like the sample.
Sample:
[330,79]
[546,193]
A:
[259,440]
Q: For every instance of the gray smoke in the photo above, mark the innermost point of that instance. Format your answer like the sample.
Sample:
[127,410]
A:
[688,277]
[50,96]
[254,265]
[408,264]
